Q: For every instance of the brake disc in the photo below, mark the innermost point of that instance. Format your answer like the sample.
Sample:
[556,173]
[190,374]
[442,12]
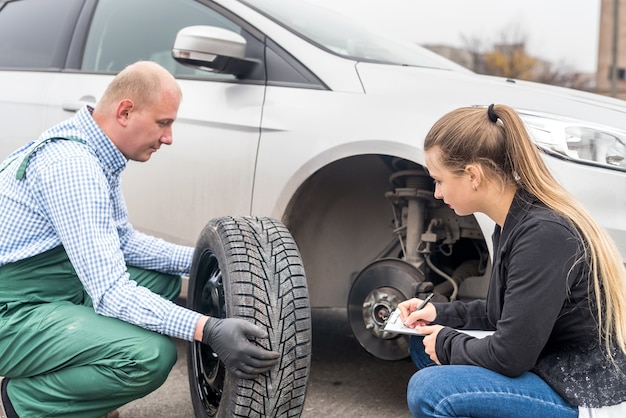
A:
[376,291]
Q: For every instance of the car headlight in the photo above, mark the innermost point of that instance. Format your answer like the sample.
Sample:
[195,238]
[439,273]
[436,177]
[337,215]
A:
[579,140]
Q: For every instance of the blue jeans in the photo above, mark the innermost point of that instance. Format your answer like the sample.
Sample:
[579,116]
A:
[472,391]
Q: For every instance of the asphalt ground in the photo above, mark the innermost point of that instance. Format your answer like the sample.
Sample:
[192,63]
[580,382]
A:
[345,380]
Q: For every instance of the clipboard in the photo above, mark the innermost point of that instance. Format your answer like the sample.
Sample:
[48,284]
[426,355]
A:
[395,326]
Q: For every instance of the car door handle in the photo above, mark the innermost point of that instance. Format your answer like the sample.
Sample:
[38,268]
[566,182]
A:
[76,106]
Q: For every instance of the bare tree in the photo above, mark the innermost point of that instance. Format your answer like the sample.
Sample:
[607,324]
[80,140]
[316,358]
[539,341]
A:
[507,57]
[475,48]
[560,74]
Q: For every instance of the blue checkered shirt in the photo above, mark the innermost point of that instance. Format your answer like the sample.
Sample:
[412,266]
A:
[71,196]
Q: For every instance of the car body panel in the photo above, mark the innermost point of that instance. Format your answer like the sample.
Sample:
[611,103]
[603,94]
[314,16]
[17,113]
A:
[23,111]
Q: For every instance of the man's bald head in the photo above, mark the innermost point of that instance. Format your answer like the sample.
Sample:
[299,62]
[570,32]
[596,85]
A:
[138,109]
[142,82]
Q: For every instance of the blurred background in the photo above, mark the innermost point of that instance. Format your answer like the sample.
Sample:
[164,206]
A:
[573,44]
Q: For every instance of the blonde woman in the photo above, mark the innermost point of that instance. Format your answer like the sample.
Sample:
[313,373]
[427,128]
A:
[557,293]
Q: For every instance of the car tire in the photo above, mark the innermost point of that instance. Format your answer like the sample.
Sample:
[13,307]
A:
[250,268]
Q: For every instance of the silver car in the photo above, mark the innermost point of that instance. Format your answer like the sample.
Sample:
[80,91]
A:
[296,116]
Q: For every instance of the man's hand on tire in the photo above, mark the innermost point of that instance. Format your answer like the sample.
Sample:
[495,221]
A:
[230,340]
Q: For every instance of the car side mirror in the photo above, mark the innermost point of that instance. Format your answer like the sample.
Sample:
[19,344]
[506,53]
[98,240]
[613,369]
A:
[213,49]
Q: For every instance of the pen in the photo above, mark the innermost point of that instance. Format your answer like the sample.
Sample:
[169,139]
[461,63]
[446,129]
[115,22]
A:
[425,301]
[422,305]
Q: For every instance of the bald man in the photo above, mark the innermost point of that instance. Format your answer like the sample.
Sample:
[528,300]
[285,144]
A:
[86,307]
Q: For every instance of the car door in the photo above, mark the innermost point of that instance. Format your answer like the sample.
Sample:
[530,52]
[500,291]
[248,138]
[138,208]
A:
[209,169]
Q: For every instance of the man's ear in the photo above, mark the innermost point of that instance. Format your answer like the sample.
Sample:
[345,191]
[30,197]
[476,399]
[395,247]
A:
[123,111]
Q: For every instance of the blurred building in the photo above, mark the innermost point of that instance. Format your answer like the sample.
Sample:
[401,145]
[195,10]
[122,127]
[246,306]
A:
[539,70]
[609,52]
[461,56]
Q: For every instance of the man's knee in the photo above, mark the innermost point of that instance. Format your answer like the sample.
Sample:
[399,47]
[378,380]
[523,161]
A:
[165,356]
[154,360]
[166,285]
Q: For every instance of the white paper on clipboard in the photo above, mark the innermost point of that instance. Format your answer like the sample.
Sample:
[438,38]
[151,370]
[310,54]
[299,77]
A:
[395,325]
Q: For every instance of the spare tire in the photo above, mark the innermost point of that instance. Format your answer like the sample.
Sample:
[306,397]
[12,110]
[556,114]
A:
[250,268]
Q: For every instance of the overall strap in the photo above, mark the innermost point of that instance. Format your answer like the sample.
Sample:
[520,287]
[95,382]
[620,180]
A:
[21,170]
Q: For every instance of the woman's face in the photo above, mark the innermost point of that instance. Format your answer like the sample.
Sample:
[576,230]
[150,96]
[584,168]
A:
[456,190]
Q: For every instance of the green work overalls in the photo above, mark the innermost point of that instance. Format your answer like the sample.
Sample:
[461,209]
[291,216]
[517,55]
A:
[63,359]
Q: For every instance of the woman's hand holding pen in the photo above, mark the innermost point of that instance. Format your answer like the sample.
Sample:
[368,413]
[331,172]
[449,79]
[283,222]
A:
[420,313]
[416,312]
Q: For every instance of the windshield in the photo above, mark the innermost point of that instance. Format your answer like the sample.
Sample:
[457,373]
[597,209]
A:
[344,36]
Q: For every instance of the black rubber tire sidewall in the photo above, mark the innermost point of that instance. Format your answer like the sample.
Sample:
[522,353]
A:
[264,282]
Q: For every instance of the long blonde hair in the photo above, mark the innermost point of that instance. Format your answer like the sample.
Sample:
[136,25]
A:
[497,139]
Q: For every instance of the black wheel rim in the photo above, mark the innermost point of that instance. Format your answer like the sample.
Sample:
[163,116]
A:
[208,298]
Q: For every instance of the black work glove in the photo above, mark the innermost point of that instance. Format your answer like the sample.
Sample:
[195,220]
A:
[229,340]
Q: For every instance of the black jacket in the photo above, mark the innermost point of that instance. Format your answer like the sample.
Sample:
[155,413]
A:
[539,303]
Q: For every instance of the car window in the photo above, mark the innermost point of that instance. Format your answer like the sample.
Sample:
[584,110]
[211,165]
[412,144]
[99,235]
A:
[123,32]
[345,36]
[36,34]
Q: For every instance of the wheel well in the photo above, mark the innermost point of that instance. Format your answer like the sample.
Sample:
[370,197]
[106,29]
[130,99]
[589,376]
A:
[342,220]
